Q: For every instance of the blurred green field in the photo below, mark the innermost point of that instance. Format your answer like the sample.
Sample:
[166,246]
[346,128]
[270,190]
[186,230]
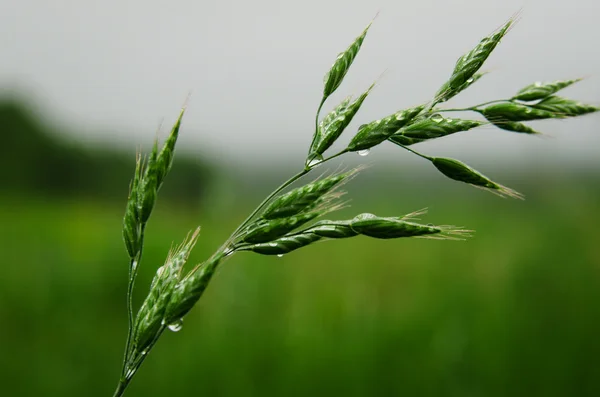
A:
[514,311]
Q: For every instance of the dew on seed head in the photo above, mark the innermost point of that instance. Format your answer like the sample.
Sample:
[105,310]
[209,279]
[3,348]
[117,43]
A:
[314,162]
[470,80]
[176,326]
[279,255]
[160,270]
[437,118]
[364,152]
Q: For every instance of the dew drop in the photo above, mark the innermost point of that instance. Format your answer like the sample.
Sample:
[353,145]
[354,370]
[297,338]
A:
[437,118]
[280,255]
[160,271]
[176,326]
[315,161]
[470,80]
[364,152]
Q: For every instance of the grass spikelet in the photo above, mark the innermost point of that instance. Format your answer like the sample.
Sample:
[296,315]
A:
[461,172]
[150,317]
[187,292]
[305,197]
[539,90]
[131,220]
[165,157]
[436,126]
[513,126]
[283,245]
[387,228]
[564,107]
[445,93]
[334,124]
[334,77]
[512,111]
[374,133]
[468,64]
[265,230]
[332,229]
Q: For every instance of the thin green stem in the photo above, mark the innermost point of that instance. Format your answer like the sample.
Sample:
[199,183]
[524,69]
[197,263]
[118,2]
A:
[317,122]
[331,157]
[417,153]
[133,269]
[472,108]
[123,383]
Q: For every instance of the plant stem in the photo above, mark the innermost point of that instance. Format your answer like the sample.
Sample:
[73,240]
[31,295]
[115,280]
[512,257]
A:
[133,269]
[473,108]
[121,387]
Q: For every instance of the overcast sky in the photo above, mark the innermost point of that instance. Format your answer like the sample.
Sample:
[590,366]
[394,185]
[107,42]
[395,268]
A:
[111,70]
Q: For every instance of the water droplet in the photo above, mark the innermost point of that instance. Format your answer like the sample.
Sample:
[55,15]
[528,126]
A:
[437,118]
[280,255]
[314,161]
[176,326]
[159,271]
[470,80]
[364,152]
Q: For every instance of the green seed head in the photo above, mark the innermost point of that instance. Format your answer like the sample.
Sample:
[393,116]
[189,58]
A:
[514,126]
[468,64]
[265,230]
[461,172]
[165,157]
[445,93]
[304,198]
[374,133]
[333,229]
[563,107]
[131,220]
[151,316]
[187,292]
[511,111]
[436,126]
[334,124]
[540,90]
[284,245]
[387,228]
[340,67]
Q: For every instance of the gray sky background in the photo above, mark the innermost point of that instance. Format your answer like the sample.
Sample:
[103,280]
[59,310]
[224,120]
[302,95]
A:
[255,68]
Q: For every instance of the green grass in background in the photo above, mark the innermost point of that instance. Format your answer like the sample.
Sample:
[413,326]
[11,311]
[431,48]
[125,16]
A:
[514,311]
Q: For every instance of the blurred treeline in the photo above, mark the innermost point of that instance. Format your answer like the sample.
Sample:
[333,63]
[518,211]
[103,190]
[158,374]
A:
[35,160]
[512,312]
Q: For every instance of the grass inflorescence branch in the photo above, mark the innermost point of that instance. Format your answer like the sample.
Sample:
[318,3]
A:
[286,221]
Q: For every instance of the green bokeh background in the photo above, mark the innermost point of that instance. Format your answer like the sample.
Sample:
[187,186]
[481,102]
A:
[512,312]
